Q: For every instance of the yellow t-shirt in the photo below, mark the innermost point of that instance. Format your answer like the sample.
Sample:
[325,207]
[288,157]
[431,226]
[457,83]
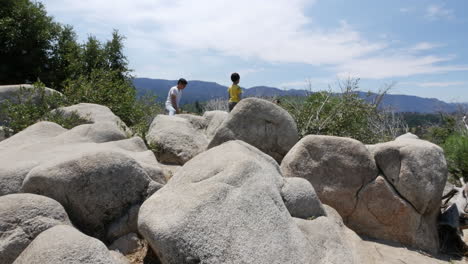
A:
[234,92]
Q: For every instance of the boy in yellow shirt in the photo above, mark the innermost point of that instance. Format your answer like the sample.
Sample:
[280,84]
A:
[234,91]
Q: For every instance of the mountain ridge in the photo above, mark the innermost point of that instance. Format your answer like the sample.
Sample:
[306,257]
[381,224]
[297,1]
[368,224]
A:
[203,91]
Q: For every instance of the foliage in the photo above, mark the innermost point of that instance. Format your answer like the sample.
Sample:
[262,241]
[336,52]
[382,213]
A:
[216,104]
[105,88]
[31,105]
[36,47]
[144,111]
[344,114]
[456,153]
[27,36]
[67,121]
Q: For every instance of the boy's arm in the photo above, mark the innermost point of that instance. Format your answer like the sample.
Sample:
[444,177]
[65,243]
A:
[174,102]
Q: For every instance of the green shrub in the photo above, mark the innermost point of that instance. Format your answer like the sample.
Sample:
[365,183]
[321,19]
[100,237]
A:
[67,121]
[104,88]
[344,114]
[29,106]
[456,153]
[144,111]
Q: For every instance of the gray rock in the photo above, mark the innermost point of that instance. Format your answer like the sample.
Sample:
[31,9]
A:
[214,119]
[13,92]
[45,141]
[260,123]
[64,244]
[18,94]
[97,114]
[124,225]
[300,198]
[407,136]
[382,213]
[175,139]
[225,206]
[127,244]
[416,168]
[337,168]
[95,187]
[198,122]
[400,206]
[22,218]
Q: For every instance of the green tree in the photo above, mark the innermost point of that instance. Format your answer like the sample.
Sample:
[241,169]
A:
[27,36]
[456,153]
[116,59]
[66,58]
[94,56]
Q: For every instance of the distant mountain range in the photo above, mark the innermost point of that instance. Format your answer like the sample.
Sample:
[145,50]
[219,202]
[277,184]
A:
[203,91]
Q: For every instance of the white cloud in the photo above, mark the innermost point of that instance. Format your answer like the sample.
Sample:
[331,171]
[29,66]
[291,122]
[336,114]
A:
[275,31]
[441,84]
[435,12]
[395,65]
[423,46]
[405,10]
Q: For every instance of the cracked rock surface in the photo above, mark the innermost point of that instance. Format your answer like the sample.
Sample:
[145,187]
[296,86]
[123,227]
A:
[388,191]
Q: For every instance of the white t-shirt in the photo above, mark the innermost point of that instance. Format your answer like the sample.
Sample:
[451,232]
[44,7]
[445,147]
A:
[174,91]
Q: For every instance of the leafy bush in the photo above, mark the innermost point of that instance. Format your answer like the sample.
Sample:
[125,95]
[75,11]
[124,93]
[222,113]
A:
[144,111]
[31,105]
[67,121]
[456,153]
[344,114]
[104,88]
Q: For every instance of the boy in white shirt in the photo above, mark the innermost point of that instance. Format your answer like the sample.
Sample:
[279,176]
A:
[173,97]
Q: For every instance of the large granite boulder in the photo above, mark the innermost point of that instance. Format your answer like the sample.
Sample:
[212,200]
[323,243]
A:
[399,205]
[45,141]
[22,218]
[260,123]
[300,198]
[337,168]
[176,139]
[96,114]
[64,244]
[226,206]
[214,119]
[96,187]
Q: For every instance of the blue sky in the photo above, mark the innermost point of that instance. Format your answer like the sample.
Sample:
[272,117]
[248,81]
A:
[422,45]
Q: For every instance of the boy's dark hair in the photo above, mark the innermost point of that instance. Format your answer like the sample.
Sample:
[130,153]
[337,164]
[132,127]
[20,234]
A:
[182,81]
[235,77]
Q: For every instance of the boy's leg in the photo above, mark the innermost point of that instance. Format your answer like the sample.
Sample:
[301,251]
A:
[171,110]
[231,106]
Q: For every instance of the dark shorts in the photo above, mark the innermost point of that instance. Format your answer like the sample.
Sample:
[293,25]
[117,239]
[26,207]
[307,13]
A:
[231,106]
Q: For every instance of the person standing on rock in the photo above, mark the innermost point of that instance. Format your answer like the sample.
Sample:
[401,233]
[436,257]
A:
[173,97]
[234,91]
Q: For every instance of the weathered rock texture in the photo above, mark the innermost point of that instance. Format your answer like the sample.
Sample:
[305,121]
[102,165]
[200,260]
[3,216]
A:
[260,123]
[64,244]
[337,168]
[391,192]
[95,187]
[94,177]
[46,142]
[97,114]
[175,140]
[225,206]
[22,218]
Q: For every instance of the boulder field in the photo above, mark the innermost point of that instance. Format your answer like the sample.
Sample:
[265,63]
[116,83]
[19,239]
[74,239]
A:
[237,187]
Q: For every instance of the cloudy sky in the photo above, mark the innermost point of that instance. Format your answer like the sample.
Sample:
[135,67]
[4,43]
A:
[420,44]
